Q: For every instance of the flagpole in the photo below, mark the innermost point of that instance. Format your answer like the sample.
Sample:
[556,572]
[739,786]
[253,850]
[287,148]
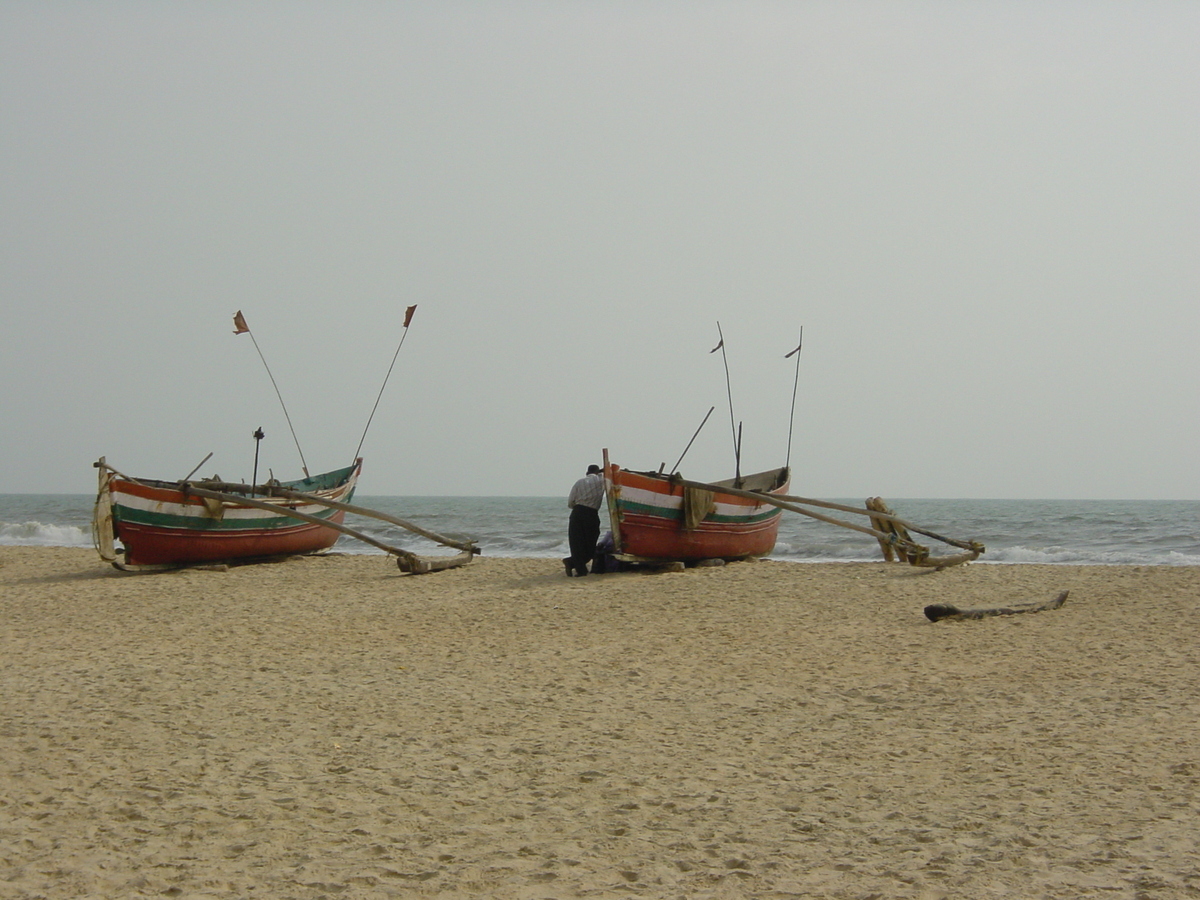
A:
[675,468]
[408,314]
[240,327]
[795,386]
[737,450]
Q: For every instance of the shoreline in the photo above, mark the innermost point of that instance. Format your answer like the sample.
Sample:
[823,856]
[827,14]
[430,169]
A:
[1015,532]
[772,729]
[434,550]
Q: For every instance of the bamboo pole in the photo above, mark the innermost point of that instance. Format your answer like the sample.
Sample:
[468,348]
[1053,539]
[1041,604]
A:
[406,559]
[276,491]
[240,327]
[787,461]
[780,500]
[737,450]
[887,517]
[918,556]
[675,468]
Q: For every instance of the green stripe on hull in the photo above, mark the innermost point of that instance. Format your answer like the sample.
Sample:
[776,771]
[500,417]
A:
[206,523]
[662,512]
[323,482]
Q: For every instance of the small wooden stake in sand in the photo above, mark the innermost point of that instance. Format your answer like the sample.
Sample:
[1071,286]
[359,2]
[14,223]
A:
[936,612]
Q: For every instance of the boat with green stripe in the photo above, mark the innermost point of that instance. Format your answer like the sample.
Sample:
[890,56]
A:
[657,518]
[167,523]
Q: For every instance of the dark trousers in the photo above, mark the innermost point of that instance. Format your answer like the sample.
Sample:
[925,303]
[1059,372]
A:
[583,531]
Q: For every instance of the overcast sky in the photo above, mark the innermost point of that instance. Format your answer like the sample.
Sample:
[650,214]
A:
[985,216]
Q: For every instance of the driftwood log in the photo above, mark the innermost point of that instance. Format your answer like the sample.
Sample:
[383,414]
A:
[936,612]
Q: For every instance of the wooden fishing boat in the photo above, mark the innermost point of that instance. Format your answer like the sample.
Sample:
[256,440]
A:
[165,524]
[172,523]
[656,517]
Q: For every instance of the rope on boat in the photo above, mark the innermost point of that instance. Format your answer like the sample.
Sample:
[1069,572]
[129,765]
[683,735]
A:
[890,530]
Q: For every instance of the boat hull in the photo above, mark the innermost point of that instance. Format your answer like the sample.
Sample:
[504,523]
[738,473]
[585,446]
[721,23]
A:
[650,519]
[159,523]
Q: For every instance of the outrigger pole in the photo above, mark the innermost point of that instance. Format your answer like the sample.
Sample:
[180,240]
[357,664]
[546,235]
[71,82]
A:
[795,386]
[405,559]
[897,536]
[240,327]
[408,314]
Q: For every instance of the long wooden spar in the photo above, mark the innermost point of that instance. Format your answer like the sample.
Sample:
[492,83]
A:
[277,491]
[881,516]
[405,559]
[789,502]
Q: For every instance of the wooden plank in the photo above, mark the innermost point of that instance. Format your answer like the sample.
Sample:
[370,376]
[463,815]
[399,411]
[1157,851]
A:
[614,514]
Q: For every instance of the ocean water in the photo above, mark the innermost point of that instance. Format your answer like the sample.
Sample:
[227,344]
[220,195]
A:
[1067,532]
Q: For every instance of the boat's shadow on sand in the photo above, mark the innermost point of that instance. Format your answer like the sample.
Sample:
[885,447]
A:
[69,577]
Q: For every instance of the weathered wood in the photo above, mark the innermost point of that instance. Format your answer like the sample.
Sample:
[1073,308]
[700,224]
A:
[426,564]
[411,562]
[468,546]
[899,544]
[784,502]
[876,504]
[917,555]
[791,503]
[938,612]
[653,565]
[945,562]
[887,517]
[614,517]
[282,510]
[102,518]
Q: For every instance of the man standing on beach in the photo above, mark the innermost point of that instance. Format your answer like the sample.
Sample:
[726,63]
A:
[584,528]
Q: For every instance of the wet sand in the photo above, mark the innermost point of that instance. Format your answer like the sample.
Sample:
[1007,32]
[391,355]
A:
[329,727]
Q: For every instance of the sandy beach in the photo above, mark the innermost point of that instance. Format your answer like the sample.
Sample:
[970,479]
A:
[329,727]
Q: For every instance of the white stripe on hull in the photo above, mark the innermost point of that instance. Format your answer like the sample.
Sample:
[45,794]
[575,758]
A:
[199,511]
[675,502]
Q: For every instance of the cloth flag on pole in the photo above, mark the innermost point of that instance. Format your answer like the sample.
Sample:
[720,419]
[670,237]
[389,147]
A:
[718,347]
[239,323]
[408,314]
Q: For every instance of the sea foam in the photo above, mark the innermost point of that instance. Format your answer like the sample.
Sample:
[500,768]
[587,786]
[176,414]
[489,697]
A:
[39,534]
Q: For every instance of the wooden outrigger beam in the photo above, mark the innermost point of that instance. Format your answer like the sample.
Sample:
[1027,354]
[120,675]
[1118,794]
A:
[405,559]
[915,553]
[276,491]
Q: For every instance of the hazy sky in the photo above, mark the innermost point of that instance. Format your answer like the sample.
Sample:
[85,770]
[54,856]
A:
[985,216]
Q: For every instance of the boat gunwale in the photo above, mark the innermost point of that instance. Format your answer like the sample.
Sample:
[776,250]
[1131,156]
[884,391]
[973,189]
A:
[336,483]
